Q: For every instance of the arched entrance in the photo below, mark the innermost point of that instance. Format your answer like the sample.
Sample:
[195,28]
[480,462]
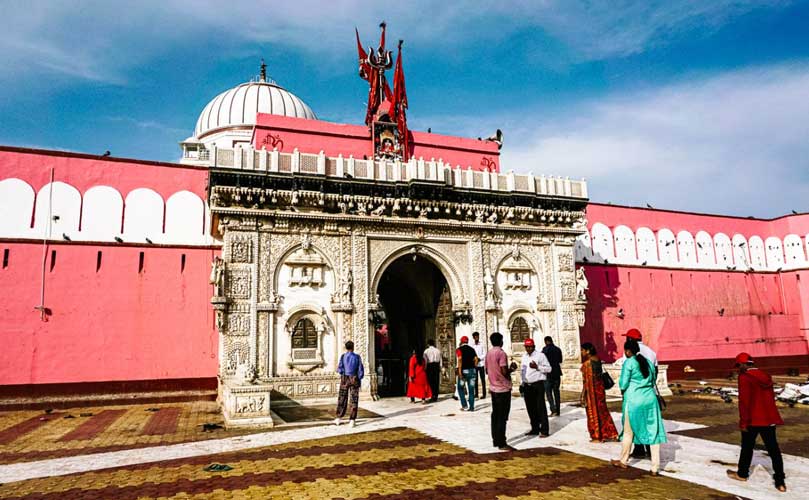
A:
[417,305]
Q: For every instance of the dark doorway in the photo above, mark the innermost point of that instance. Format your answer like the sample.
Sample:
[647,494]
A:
[415,298]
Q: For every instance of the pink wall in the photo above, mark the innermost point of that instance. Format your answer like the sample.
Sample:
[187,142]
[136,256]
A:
[85,171]
[114,324]
[313,136]
[765,313]
[634,217]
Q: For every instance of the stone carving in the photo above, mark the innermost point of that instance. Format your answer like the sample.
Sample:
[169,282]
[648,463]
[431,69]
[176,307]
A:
[569,321]
[566,262]
[488,285]
[571,350]
[265,272]
[238,283]
[250,404]
[241,249]
[238,324]
[378,211]
[345,287]
[518,272]
[581,285]
[306,267]
[217,278]
[569,289]
[237,356]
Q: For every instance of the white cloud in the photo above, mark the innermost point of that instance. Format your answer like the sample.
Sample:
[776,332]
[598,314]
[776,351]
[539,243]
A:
[102,40]
[734,143]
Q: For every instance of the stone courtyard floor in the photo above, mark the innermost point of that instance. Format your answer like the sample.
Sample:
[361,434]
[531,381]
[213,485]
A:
[397,450]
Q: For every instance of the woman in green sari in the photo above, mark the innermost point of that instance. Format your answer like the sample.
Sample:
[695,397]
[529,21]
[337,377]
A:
[642,420]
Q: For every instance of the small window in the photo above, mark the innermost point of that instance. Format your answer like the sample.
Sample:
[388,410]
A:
[182,263]
[140,262]
[98,261]
[304,335]
[519,331]
[53,259]
[5,257]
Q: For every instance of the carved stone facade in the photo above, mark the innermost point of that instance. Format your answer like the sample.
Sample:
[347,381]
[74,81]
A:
[302,271]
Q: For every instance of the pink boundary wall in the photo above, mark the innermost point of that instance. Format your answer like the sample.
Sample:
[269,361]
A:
[115,323]
[678,310]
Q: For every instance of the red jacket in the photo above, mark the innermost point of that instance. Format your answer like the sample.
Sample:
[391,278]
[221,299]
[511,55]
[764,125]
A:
[757,400]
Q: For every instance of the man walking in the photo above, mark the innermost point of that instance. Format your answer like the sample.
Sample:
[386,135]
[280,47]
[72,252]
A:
[467,360]
[480,370]
[758,416]
[554,355]
[534,370]
[351,372]
[642,450]
[432,356]
[499,371]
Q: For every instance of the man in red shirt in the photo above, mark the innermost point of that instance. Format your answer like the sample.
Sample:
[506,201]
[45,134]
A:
[757,416]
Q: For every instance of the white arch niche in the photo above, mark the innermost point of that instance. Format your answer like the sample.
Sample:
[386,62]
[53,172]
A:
[16,207]
[143,216]
[705,253]
[624,245]
[667,247]
[774,251]
[185,218]
[102,214]
[686,249]
[58,206]
[647,246]
[741,252]
[602,243]
[724,252]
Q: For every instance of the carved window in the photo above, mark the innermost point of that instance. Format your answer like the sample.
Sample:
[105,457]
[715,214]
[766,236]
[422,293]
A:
[519,331]
[304,335]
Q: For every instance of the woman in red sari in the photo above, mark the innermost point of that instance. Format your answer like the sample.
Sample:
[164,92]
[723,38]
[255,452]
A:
[594,398]
[418,386]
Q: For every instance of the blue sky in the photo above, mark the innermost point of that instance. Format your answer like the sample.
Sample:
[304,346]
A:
[683,104]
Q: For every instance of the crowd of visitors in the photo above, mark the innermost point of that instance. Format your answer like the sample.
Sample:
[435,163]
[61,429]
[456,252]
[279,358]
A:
[540,375]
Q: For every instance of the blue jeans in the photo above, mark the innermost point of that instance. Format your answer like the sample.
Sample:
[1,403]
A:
[468,377]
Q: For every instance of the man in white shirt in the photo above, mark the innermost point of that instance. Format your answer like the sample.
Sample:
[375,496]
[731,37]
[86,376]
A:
[432,357]
[535,369]
[642,450]
[480,374]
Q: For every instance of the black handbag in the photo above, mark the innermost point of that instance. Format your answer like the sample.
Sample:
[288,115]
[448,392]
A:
[607,380]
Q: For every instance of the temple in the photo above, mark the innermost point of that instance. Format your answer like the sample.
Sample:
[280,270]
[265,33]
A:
[277,236]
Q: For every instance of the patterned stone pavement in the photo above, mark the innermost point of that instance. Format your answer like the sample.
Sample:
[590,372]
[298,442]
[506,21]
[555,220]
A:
[396,463]
[37,435]
[415,451]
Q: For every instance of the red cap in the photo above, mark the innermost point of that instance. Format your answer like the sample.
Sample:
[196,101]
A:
[633,333]
[743,358]
[464,340]
[528,342]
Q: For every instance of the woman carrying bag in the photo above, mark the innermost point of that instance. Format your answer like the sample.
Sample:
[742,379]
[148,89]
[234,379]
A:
[594,397]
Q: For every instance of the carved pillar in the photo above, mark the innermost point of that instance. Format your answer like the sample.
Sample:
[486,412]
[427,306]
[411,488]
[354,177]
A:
[477,294]
[362,335]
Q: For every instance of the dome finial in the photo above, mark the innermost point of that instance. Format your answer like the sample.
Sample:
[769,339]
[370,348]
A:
[263,77]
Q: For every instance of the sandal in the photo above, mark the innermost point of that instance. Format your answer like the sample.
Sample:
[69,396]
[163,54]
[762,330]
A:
[619,464]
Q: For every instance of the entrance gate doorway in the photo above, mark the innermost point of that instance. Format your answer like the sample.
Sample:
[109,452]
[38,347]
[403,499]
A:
[417,305]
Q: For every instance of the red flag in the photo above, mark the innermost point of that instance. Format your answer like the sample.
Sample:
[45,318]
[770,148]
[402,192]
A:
[398,102]
[363,58]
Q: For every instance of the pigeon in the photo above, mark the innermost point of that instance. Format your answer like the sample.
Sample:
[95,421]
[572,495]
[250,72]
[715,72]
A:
[210,427]
[721,311]
[643,263]
[149,241]
[348,176]
[649,206]
[119,239]
[65,237]
[794,212]
[106,153]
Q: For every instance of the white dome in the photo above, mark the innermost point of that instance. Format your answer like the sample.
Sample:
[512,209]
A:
[239,105]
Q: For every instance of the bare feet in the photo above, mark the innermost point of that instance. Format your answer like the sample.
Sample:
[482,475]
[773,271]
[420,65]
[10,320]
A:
[733,475]
[782,488]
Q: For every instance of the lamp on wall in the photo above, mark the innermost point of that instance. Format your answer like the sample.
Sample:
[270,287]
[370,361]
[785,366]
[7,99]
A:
[377,317]
[463,316]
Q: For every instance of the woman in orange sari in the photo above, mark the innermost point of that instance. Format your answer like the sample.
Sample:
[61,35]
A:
[418,386]
[594,398]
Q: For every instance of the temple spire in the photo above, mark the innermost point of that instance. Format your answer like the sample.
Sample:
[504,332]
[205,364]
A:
[263,74]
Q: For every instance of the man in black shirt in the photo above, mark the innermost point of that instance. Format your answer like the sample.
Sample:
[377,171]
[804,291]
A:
[467,361]
[554,355]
